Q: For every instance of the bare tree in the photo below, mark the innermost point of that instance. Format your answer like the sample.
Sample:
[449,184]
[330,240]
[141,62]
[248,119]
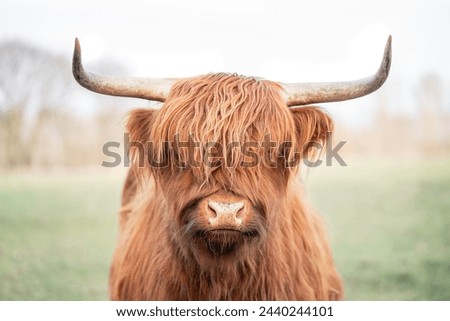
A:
[33,84]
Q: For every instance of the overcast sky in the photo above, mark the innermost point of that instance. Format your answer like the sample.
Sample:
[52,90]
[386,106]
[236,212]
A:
[285,40]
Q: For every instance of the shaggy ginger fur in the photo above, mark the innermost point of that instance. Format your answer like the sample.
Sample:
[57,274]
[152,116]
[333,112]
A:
[286,258]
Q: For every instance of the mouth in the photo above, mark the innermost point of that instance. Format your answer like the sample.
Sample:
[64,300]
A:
[223,242]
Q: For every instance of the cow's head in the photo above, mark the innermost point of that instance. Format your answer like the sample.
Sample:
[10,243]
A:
[223,149]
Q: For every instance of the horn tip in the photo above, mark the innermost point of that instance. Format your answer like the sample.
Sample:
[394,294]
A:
[77,45]
[388,47]
[389,44]
[77,65]
[388,53]
[383,71]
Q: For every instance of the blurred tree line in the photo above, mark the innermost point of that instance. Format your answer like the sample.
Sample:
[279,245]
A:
[48,121]
[423,134]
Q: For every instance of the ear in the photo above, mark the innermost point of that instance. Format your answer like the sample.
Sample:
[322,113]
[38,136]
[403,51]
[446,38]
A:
[139,125]
[313,125]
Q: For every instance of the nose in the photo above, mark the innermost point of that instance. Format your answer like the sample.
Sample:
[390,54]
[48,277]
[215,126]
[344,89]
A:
[225,214]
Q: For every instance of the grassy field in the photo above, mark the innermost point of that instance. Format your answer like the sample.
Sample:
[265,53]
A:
[390,228]
[57,236]
[389,224]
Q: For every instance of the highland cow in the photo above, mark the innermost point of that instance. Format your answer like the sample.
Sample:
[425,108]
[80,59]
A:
[203,221]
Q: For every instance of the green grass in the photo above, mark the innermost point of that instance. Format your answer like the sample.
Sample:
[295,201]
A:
[56,236]
[390,228]
[389,224]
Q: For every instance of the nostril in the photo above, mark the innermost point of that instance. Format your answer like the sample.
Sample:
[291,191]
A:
[212,208]
[239,207]
[240,212]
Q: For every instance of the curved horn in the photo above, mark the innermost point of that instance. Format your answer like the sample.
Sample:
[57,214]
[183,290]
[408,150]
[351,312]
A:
[308,93]
[152,89]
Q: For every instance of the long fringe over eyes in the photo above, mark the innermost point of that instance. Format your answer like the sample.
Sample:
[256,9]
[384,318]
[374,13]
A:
[223,109]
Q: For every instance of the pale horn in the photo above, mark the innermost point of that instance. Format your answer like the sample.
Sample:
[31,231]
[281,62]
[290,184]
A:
[146,88]
[298,94]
